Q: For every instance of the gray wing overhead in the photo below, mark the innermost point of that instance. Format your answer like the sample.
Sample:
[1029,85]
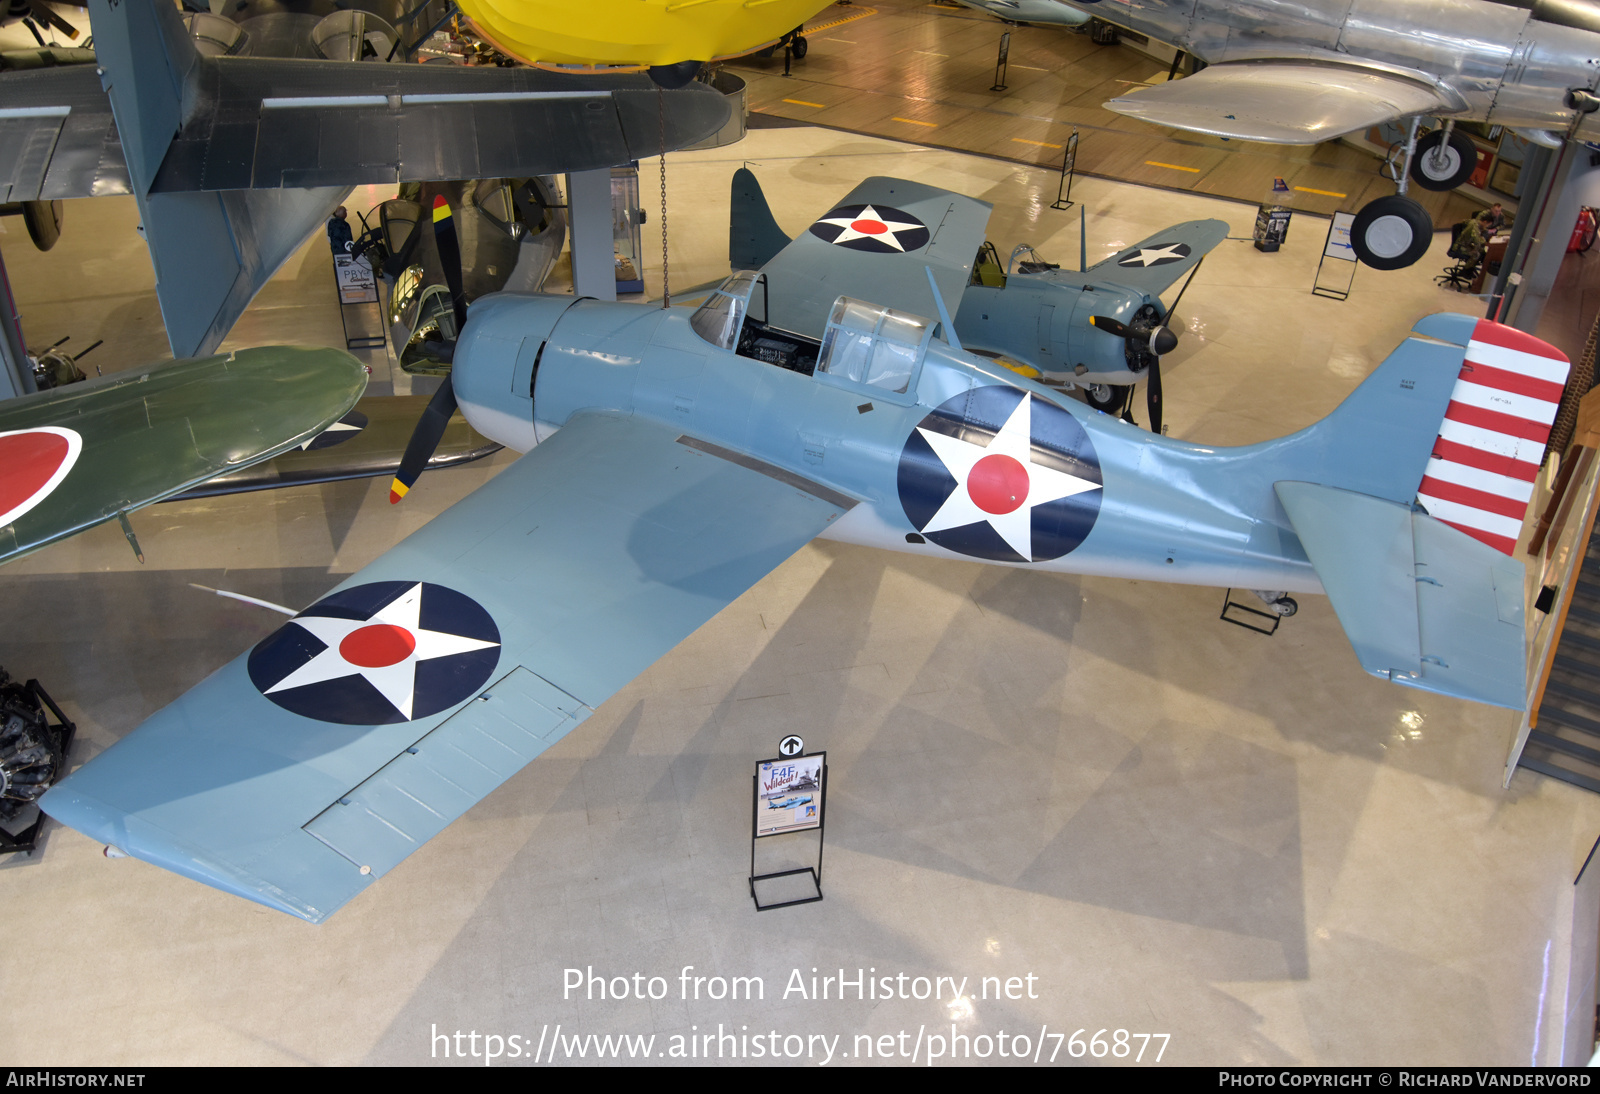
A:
[235,160]
[1283,102]
[874,245]
[57,137]
[263,122]
[530,603]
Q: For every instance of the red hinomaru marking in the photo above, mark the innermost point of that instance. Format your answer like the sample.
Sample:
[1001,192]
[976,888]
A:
[377,646]
[998,484]
[34,461]
[869,227]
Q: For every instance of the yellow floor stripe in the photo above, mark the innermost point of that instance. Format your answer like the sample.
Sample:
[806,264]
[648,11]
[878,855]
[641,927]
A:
[913,121]
[802,102]
[1172,167]
[1041,144]
[859,13]
[1324,193]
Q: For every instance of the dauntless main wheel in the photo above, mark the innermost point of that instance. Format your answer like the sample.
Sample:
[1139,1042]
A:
[1106,397]
[1443,160]
[1391,233]
[800,47]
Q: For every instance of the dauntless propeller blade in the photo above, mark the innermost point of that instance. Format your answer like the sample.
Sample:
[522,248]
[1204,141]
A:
[431,426]
[424,439]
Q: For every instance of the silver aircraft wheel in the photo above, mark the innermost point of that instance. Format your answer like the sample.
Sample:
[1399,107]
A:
[1391,232]
[1443,160]
[1389,237]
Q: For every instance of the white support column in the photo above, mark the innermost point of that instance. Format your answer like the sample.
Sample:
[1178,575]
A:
[1551,236]
[594,271]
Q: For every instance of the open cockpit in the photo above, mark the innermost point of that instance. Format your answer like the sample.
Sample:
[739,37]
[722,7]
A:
[865,347]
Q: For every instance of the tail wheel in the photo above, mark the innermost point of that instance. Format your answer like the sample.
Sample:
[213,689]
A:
[1443,160]
[1391,233]
[799,47]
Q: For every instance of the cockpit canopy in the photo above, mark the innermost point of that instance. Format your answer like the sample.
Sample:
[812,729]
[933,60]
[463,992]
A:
[873,345]
[864,346]
[718,320]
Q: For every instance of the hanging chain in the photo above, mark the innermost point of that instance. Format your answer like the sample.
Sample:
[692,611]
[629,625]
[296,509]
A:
[661,112]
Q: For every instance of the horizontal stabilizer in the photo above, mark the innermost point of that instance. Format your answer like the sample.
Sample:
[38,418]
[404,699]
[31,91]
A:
[1423,604]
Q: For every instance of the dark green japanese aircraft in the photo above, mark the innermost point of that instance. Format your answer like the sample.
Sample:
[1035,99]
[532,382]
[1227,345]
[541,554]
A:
[83,454]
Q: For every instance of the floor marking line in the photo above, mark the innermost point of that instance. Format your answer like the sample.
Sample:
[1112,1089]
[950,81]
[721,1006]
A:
[913,121]
[802,102]
[1172,167]
[1324,193]
[1031,68]
[859,13]
[1041,144]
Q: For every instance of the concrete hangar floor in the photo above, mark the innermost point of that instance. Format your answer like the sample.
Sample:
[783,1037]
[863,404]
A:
[1153,821]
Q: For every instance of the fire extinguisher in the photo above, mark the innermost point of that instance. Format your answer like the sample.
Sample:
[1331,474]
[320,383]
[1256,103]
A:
[1583,233]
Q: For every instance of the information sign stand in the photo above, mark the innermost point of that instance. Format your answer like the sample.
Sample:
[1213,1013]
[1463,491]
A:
[1069,166]
[1342,273]
[787,797]
[358,292]
[1000,65]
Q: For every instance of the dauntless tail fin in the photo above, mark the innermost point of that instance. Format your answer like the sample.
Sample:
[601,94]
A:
[753,235]
[212,251]
[1420,482]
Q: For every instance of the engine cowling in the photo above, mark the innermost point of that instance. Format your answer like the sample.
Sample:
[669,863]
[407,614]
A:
[497,363]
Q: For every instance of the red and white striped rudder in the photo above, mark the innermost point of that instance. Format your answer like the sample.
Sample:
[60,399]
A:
[1493,434]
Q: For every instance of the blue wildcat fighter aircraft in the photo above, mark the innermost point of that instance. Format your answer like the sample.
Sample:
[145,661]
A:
[674,459]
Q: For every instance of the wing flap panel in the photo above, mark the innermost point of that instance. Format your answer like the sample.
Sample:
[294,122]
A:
[416,795]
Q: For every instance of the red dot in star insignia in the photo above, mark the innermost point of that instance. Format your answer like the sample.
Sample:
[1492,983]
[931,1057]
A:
[377,646]
[869,227]
[998,484]
[30,459]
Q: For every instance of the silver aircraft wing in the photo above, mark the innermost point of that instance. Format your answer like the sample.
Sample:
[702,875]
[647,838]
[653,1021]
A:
[1284,102]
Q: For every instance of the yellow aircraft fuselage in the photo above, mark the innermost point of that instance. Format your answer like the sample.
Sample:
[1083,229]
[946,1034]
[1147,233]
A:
[634,32]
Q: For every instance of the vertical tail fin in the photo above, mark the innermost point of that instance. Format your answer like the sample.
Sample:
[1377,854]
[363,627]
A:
[1413,497]
[753,235]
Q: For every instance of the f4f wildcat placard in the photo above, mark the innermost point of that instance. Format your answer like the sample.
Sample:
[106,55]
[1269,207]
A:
[789,795]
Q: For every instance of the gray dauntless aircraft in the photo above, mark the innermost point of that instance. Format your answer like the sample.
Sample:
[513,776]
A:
[1310,71]
[235,159]
[1102,329]
[673,459]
